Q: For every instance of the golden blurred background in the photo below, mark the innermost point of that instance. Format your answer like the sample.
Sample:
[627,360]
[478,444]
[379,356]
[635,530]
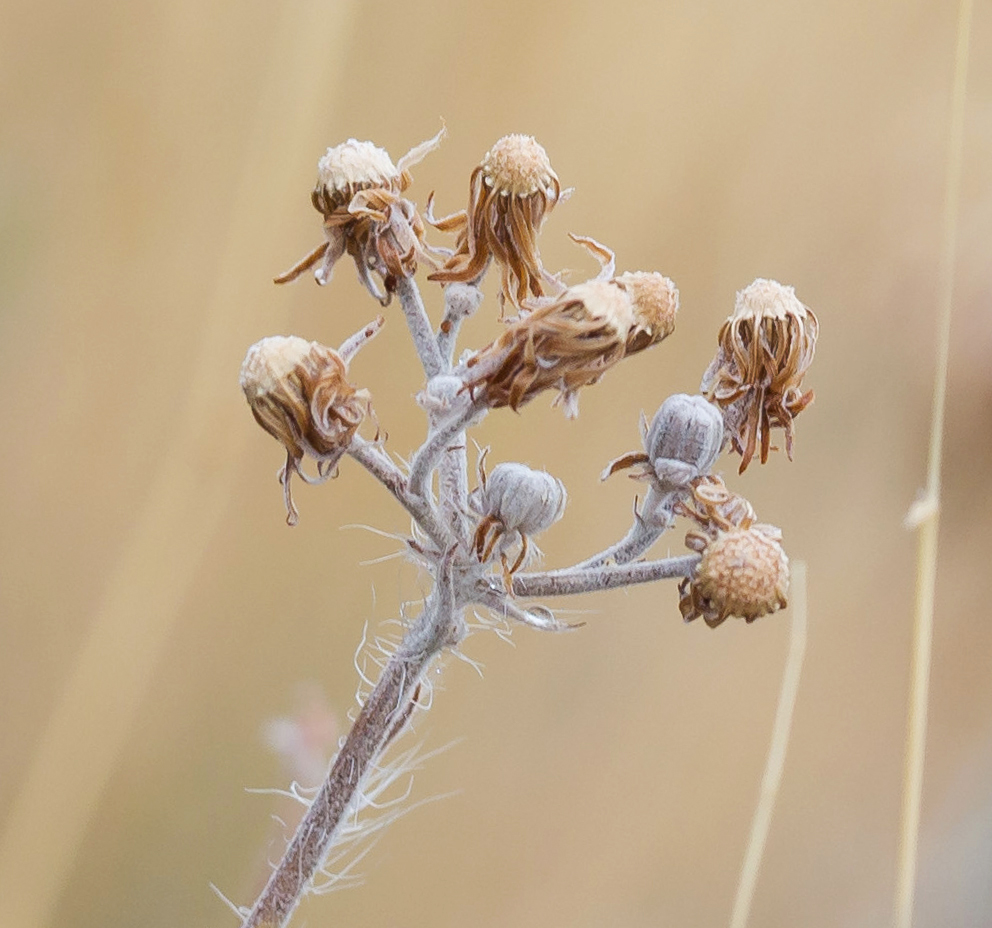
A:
[155,168]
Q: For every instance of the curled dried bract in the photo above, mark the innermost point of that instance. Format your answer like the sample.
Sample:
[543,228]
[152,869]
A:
[298,393]
[572,341]
[765,349]
[359,194]
[511,193]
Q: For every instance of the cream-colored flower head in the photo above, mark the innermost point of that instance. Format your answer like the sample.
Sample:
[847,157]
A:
[743,570]
[350,167]
[298,393]
[359,194]
[511,193]
[655,301]
[765,348]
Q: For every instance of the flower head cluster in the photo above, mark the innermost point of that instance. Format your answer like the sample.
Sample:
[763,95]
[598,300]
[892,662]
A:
[765,349]
[298,393]
[573,340]
[743,570]
[510,194]
[359,194]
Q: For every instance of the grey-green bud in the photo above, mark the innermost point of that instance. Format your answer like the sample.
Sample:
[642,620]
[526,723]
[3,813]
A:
[522,499]
[684,439]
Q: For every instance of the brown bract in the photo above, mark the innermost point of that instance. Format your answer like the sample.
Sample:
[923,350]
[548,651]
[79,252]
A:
[298,393]
[358,192]
[510,195]
[765,349]
[572,341]
[743,570]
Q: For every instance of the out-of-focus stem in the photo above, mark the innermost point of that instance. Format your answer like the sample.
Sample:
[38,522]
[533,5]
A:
[439,626]
[420,326]
[571,581]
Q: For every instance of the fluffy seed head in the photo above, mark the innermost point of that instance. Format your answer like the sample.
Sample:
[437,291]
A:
[655,301]
[743,572]
[518,166]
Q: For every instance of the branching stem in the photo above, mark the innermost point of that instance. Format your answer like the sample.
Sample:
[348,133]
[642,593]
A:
[381,466]
[571,581]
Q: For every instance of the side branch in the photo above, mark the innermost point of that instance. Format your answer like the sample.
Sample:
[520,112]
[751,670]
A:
[426,459]
[571,581]
[649,525]
[420,327]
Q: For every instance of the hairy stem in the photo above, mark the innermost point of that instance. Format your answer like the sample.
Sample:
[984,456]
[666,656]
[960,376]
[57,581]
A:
[571,581]
[420,327]
[447,436]
[438,626]
[381,466]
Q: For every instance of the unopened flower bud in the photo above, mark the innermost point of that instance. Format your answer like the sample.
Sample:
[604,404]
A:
[682,443]
[684,439]
[743,572]
[765,349]
[298,393]
[524,500]
[515,500]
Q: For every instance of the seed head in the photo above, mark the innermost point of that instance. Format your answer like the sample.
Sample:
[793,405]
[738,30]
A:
[348,168]
[298,393]
[518,166]
[359,194]
[743,572]
[510,195]
[765,349]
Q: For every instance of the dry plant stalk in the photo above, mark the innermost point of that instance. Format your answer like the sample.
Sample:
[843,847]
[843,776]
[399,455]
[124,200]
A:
[476,545]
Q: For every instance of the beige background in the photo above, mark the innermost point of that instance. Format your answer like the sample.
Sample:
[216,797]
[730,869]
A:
[155,168]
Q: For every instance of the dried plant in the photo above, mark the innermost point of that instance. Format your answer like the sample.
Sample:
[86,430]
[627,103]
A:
[476,545]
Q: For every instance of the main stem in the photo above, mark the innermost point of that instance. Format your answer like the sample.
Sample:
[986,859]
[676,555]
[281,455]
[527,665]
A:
[379,720]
